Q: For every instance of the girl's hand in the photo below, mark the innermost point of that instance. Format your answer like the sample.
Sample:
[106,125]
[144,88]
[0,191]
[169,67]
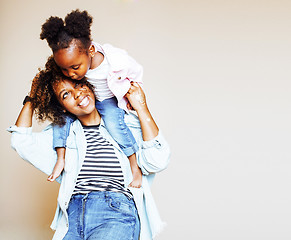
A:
[136,97]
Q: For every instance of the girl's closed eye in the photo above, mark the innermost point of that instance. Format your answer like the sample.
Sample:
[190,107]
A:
[75,67]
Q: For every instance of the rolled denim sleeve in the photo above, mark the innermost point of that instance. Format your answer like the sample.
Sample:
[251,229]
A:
[154,155]
[34,147]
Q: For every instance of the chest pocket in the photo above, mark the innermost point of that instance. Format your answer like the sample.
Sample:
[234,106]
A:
[71,154]
[71,143]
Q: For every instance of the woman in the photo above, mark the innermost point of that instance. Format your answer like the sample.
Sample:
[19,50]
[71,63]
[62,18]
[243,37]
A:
[89,206]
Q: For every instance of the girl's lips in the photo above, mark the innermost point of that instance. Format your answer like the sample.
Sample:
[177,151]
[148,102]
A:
[84,102]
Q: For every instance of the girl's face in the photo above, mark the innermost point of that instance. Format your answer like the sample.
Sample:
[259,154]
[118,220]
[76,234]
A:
[73,61]
[76,98]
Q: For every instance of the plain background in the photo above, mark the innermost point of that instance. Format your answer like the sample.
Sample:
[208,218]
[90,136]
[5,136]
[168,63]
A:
[217,77]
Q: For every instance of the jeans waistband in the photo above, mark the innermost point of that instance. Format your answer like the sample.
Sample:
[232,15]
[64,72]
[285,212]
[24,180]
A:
[102,194]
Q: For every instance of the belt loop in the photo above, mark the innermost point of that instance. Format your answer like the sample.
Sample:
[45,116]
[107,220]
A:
[106,195]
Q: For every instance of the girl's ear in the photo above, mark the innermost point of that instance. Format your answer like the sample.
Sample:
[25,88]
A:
[92,50]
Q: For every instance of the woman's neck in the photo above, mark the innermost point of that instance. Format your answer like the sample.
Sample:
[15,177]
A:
[90,119]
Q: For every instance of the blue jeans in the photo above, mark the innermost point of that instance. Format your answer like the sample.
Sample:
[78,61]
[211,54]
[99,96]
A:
[102,215]
[113,118]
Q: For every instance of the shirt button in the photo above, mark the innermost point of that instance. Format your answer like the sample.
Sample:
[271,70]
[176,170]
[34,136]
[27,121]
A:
[158,144]
[119,78]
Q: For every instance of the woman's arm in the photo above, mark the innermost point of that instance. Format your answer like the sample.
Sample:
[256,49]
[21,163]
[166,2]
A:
[25,116]
[35,148]
[154,154]
[137,99]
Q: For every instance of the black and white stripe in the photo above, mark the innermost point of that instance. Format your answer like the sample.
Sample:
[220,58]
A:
[101,170]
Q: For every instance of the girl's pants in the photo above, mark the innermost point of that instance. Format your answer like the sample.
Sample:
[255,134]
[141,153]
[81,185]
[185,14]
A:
[113,118]
[102,215]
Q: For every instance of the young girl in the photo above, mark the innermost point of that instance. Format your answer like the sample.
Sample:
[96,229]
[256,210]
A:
[110,70]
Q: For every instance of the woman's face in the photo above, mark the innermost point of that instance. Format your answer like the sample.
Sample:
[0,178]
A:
[76,98]
[73,61]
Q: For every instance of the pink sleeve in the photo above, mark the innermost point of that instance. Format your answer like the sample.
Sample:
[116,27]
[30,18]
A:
[119,81]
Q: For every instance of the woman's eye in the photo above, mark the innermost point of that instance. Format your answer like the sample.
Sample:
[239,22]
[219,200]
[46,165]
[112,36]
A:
[66,94]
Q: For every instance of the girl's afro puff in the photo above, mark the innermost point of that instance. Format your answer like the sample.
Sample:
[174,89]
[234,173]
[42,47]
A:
[51,29]
[59,34]
[78,24]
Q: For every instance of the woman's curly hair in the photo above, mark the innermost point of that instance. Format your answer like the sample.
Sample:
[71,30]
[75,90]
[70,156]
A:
[59,33]
[44,101]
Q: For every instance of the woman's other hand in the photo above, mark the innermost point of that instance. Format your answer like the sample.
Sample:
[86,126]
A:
[136,97]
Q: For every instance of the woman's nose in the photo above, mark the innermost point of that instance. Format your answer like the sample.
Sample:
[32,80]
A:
[77,93]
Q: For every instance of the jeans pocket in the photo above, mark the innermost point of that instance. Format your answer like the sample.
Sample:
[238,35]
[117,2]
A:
[122,207]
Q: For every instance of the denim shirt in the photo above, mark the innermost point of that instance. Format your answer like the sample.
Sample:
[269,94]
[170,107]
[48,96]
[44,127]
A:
[153,156]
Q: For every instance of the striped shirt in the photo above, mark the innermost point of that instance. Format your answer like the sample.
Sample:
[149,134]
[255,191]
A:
[101,169]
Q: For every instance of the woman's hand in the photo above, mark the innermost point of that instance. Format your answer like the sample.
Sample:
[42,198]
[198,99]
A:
[137,99]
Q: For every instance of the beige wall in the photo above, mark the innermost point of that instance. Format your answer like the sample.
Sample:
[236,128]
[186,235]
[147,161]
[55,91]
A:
[217,75]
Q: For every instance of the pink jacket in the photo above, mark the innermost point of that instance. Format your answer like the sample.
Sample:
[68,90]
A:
[123,70]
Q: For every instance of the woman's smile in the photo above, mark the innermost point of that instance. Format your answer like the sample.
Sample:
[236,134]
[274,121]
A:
[84,102]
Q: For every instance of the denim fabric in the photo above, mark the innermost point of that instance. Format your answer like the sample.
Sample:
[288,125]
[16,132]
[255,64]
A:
[153,157]
[102,215]
[61,133]
[113,118]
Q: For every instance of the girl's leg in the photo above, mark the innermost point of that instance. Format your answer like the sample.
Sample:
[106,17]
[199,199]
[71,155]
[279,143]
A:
[60,135]
[60,164]
[113,118]
[136,172]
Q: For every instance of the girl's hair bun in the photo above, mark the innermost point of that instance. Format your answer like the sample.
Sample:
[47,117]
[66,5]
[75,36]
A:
[59,34]
[51,29]
[78,24]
